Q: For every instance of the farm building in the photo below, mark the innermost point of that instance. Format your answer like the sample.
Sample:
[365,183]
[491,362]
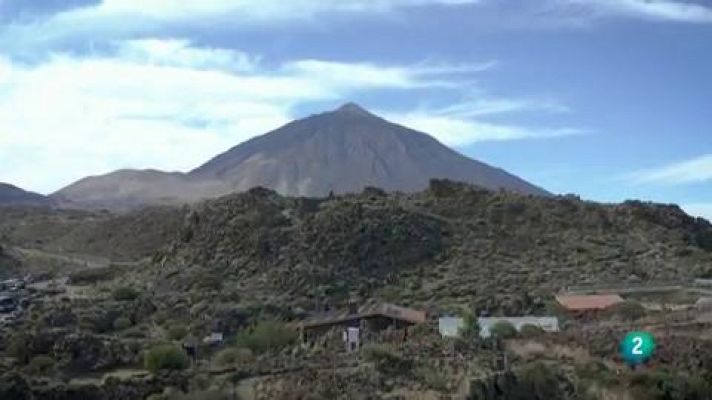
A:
[370,318]
[583,304]
[547,324]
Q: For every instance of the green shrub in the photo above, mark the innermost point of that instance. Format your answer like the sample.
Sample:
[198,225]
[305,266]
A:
[387,360]
[177,332]
[41,365]
[432,378]
[470,329]
[531,330]
[125,293]
[627,310]
[122,323]
[233,356]
[19,347]
[542,382]
[503,330]
[265,336]
[667,385]
[166,357]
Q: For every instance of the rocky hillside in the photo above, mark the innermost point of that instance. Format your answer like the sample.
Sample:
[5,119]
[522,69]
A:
[8,264]
[120,237]
[341,151]
[451,244]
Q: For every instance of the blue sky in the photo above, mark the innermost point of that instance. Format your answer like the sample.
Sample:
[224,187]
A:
[609,99]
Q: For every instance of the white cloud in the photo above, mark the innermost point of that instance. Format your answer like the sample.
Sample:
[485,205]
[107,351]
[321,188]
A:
[169,105]
[703,210]
[455,131]
[179,53]
[489,106]
[371,75]
[667,10]
[690,171]
[265,9]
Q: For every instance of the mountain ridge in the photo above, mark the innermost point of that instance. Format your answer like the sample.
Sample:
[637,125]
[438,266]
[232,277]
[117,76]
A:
[11,195]
[339,151]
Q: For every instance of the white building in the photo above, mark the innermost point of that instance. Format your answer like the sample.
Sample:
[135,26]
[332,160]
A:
[547,324]
[450,326]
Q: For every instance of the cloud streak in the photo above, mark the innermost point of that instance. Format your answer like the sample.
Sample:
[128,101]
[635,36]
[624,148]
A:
[458,131]
[662,10]
[695,170]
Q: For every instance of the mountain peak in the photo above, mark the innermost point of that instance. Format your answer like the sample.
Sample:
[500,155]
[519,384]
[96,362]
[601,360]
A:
[353,109]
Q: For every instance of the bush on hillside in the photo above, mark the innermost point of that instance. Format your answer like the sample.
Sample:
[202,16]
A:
[166,357]
[265,336]
[122,323]
[503,330]
[627,310]
[531,330]
[470,329]
[387,360]
[233,357]
[177,332]
[41,365]
[125,293]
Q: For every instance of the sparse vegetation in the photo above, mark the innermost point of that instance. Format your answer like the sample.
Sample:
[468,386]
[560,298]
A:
[166,357]
[627,310]
[125,294]
[387,360]
[266,336]
[122,323]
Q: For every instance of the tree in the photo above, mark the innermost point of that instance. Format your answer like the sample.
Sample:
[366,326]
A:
[166,357]
[503,330]
[265,336]
[470,328]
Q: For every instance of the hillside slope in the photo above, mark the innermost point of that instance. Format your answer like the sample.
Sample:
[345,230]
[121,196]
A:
[451,244]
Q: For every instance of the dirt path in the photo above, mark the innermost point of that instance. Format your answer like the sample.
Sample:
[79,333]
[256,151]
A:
[82,260]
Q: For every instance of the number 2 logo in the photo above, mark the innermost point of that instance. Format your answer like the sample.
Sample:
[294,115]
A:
[637,347]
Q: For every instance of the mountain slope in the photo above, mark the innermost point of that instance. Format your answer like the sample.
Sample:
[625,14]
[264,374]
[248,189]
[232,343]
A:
[13,196]
[344,151]
[129,189]
[334,152]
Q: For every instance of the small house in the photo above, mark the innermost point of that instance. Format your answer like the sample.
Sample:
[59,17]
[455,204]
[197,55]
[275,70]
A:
[583,304]
[704,304]
[214,339]
[546,324]
[370,318]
